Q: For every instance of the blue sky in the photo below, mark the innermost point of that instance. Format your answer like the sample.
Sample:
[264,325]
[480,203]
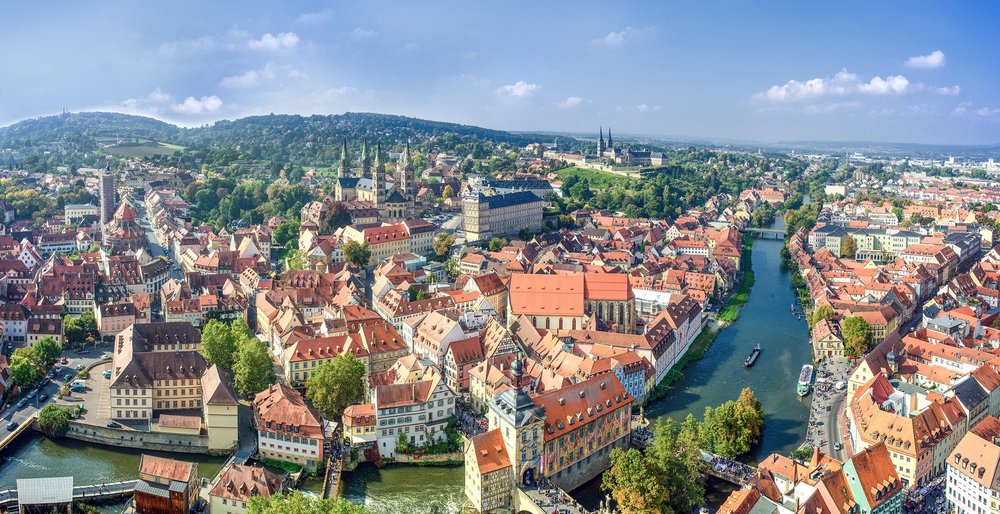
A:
[877,71]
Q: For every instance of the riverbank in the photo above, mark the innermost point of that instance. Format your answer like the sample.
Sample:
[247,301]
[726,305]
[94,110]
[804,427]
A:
[731,311]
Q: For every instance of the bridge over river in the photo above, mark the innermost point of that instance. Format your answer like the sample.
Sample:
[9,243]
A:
[765,233]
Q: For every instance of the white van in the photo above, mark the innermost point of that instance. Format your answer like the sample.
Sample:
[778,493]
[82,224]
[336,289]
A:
[79,383]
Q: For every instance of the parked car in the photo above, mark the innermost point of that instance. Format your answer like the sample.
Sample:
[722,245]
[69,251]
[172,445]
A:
[63,360]
[81,367]
[107,374]
[837,446]
[114,424]
[11,426]
[68,377]
[42,397]
[83,351]
[32,393]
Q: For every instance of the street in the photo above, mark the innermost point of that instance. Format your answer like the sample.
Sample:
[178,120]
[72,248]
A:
[51,386]
[824,430]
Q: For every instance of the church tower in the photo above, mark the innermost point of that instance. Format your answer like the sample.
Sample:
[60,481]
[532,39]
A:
[611,145]
[344,169]
[600,144]
[378,178]
[366,160]
[406,173]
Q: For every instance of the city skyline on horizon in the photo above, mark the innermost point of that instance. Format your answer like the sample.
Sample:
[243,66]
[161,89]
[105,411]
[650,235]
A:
[679,71]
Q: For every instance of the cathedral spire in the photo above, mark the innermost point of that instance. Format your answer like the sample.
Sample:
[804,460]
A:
[366,162]
[600,144]
[378,177]
[610,144]
[344,169]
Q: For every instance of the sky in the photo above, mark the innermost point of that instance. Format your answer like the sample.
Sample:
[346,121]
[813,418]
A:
[887,71]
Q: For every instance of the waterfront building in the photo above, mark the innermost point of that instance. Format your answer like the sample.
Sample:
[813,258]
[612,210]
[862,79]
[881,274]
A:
[486,213]
[488,473]
[972,485]
[49,495]
[237,483]
[359,423]
[827,342]
[565,435]
[288,429]
[165,486]
[415,411]
[221,410]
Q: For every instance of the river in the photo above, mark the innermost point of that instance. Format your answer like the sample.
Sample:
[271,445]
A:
[718,377]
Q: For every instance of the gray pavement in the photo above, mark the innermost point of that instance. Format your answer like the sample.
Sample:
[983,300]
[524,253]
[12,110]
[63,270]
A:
[823,430]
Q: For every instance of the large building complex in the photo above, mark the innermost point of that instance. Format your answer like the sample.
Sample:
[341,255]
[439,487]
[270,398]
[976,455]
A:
[486,214]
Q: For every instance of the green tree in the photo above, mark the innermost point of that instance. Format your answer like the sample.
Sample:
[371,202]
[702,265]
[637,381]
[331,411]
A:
[357,253]
[823,312]
[48,351]
[452,269]
[25,368]
[678,455]
[443,242]
[857,335]
[848,247]
[253,369]
[337,217]
[218,344]
[88,324]
[337,384]
[497,243]
[447,192]
[298,503]
[635,483]
[53,420]
[287,234]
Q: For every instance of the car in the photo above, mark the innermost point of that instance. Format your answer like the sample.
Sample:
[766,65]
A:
[11,426]
[42,397]
[32,393]
[837,446]
[83,351]
[107,374]
[23,403]
[68,377]
[81,367]
[63,360]
[114,424]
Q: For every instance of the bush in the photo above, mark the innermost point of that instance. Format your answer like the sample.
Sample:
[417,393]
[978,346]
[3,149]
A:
[53,420]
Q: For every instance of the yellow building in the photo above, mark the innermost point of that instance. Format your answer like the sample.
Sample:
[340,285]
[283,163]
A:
[383,242]
[488,473]
[221,410]
[359,423]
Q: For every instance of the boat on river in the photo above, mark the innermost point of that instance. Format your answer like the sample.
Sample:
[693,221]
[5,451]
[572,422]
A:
[753,356]
[805,380]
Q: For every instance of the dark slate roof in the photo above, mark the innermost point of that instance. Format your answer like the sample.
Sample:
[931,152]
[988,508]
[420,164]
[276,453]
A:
[396,197]
[970,393]
[509,199]
[348,182]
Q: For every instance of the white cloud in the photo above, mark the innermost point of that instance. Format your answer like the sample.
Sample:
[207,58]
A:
[828,107]
[519,89]
[296,74]
[987,112]
[931,61]
[315,18]
[271,42]
[617,39]
[947,90]
[968,109]
[159,103]
[843,83]
[247,79]
[889,85]
[570,102]
[359,34]
[192,105]
[922,109]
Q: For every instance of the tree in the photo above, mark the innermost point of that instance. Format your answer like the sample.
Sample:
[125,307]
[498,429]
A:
[298,503]
[295,260]
[634,483]
[53,420]
[48,351]
[218,344]
[337,384]
[857,335]
[823,312]
[443,242]
[677,455]
[287,234]
[337,217]
[496,244]
[253,369]
[848,247]
[25,368]
[452,269]
[357,253]
[447,192]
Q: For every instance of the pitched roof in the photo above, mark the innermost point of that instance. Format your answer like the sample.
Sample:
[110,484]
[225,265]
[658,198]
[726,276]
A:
[165,468]
[490,451]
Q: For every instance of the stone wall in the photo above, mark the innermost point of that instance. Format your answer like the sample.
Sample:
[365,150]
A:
[437,458]
[138,440]
[589,467]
